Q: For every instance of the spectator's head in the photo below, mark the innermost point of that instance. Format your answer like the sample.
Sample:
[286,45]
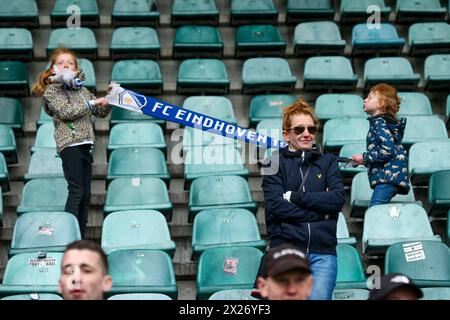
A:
[286,274]
[84,272]
[396,286]
[382,98]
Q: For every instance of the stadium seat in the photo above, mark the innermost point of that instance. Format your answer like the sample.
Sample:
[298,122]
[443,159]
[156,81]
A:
[27,273]
[225,228]
[336,133]
[138,74]
[437,72]
[45,118]
[268,106]
[14,78]
[136,229]
[418,130]
[217,192]
[81,40]
[361,193]
[271,127]
[439,193]
[259,40]
[20,13]
[140,296]
[120,115]
[342,234]
[427,263]
[34,296]
[17,43]
[383,40]
[329,73]
[8,143]
[197,42]
[447,111]
[426,158]
[86,9]
[448,227]
[4,174]
[45,138]
[142,271]
[395,71]
[199,76]
[134,43]
[49,194]
[187,12]
[333,105]
[350,268]
[350,294]
[414,104]
[307,10]
[227,268]
[11,113]
[88,69]
[429,38]
[318,37]
[267,75]
[136,12]
[232,295]
[213,106]
[244,12]
[137,162]
[419,10]
[138,194]
[347,151]
[193,137]
[44,231]
[356,11]
[436,294]
[44,164]
[1,208]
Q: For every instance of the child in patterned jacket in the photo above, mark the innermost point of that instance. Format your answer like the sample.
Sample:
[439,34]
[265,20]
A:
[386,159]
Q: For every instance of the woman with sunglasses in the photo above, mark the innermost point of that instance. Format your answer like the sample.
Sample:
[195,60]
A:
[304,194]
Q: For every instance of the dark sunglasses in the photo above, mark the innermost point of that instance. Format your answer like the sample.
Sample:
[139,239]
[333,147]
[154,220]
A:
[300,129]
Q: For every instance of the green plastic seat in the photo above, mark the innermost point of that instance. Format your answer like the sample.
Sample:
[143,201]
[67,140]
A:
[17,43]
[245,12]
[387,224]
[419,10]
[350,294]
[137,162]
[225,228]
[350,268]
[227,268]
[14,78]
[318,37]
[44,164]
[427,263]
[20,13]
[334,105]
[426,158]
[259,40]
[267,75]
[45,138]
[137,193]
[268,107]
[134,43]
[213,106]
[356,11]
[88,69]
[414,104]
[33,296]
[87,10]
[197,42]
[271,127]
[27,273]
[45,194]
[307,10]
[8,143]
[4,174]
[140,296]
[396,71]
[232,295]
[193,137]
[383,40]
[342,234]
[418,130]
[188,12]
[1,208]
[447,111]
[217,192]
[439,193]
[329,73]
[45,118]
[347,151]
[197,76]
[44,231]
[361,193]
[429,38]
[142,271]
[11,113]
[136,12]
[136,229]
[81,40]
[138,74]
[436,72]
[336,133]
[120,115]
[436,294]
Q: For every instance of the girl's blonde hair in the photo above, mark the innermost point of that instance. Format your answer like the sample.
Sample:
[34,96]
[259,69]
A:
[43,78]
[298,107]
[390,101]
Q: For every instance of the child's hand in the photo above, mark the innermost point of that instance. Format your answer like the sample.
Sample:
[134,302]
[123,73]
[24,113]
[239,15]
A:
[358,158]
[101,101]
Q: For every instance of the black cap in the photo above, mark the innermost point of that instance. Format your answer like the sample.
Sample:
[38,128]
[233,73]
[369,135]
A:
[391,282]
[284,258]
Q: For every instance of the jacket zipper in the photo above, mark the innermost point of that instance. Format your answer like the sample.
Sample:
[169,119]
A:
[304,190]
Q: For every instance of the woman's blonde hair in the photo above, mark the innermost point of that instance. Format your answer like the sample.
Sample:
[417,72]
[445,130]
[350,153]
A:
[43,78]
[390,101]
[298,107]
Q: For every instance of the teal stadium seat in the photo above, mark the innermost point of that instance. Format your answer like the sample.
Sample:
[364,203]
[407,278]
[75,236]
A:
[44,164]
[8,143]
[140,296]
[45,118]
[336,133]
[1,209]
[271,127]
[447,111]
[259,40]
[419,10]
[20,13]
[350,268]
[318,37]
[414,104]
[33,296]
[245,12]
[213,106]
[136,229]
[437,72]
[17,43]
[308,10]
[267,75]
[134,43]
[138,74]
[86,9]
[329,73]
[200,76]
[197,42]
[11,113]
[418,129]
[384,40]
[334,105]
[268,106]
[44,138]
[193,137]
[425,158]
[135,13]
[188,12]
[120,115]
[350,294]
[227,268]
[347,151]
[4,174]
[439,193]
[88,69]
[342,234]
[436,294]
[81,40]
[429,38]
[356,11]
[244,294]
[44,231]
[14,78]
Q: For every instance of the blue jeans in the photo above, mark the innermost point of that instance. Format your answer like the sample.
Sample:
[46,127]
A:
[383,193]
[324,269]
